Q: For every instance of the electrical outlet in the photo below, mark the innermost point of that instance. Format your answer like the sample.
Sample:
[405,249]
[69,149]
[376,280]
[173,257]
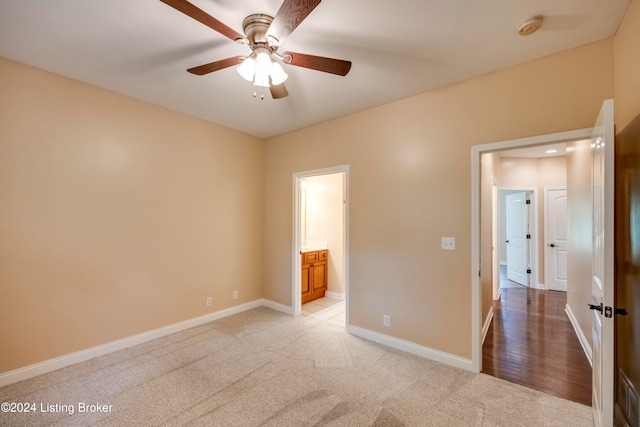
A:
[448,243]
[208,301]
[386,320]
[235,295]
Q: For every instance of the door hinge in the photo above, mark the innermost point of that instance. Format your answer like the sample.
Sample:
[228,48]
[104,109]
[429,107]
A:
[528,271]
[528,202]
[528,236]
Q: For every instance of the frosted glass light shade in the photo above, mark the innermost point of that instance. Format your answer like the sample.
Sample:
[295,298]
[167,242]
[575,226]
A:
[278,76]
[261,80]
[263,64]
[247,69]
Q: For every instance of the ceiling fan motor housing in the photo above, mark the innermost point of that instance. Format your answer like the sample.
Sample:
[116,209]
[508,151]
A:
[255,28]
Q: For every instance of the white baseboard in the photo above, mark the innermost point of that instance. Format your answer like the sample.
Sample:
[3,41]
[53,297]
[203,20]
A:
[335,295]
[487,323]
[413,348]
[50,365]
[277,306]
[581,337]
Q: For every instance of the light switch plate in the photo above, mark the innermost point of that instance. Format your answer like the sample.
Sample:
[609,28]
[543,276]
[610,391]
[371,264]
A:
[448,243]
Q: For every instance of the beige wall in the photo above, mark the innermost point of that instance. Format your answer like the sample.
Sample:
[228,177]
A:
[116,217]
[627,67]
[410,184]
[325,222]
[538,174]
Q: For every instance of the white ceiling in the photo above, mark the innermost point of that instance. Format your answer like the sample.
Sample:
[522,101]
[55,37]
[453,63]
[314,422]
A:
[398,49]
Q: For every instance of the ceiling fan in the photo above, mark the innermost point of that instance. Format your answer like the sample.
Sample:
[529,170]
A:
[264,34]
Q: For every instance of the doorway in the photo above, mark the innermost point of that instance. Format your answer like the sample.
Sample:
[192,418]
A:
[320,244]
[516,346]
[477,251]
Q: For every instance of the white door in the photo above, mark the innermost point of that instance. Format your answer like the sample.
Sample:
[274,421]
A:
[516,225]
[602,140]
[557,244]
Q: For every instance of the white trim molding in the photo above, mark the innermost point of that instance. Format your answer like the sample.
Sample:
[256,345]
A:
[335,295]
[411,347]
[487,324]
[277,306]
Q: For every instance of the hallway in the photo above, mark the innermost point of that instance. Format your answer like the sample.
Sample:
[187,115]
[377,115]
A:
[532,342]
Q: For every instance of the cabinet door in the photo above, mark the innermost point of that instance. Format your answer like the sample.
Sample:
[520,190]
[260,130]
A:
[306,282]
[319,273]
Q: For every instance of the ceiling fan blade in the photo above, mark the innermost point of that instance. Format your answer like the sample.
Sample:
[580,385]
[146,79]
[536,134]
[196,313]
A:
[215,66]
[278,91]
[289,16]
[200,15]
[320,63]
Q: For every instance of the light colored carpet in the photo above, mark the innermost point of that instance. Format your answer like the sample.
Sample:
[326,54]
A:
[262,367]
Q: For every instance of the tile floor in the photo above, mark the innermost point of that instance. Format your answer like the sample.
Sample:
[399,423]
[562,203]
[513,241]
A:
[326,309]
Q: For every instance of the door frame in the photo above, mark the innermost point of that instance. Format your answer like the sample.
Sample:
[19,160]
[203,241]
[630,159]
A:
[476,154]
[296,293]
[495,237]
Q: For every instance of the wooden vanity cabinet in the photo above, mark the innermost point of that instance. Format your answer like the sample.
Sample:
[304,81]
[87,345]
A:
[314,275]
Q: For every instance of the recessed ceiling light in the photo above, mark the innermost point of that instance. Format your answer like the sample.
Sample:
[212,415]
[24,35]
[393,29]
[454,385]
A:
[530,25]
[551,151]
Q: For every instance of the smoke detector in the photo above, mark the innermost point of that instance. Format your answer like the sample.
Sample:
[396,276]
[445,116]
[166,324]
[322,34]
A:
[530,25]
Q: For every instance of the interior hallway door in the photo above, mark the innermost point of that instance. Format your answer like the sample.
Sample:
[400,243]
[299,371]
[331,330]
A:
[517,244]
[602,284]
[557,243]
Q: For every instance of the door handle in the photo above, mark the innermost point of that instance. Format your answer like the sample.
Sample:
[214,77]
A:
[620,311]
[553,245]
[595,307]
[506,241]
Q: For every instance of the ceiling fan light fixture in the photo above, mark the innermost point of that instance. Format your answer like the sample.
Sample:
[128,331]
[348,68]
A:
[278,76]
[263,34]
[261,80]
[247,69]
[263,64]
[261,70]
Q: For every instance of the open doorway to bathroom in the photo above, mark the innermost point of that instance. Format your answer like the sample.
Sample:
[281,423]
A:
[320,255]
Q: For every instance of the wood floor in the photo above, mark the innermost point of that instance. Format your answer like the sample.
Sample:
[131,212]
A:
[531,342]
